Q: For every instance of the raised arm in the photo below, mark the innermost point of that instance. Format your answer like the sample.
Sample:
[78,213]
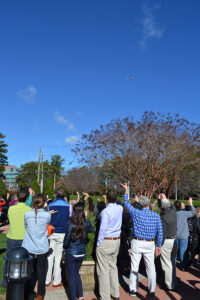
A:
[127,204]
[192,212]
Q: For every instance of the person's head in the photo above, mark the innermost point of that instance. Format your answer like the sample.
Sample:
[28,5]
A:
[137,205]
[162,196]
[144,201]
[90,204]
[100,206]
[177,204]
[60,193]
[38,202]
[4,197]
[82,200]
[188,207]
[22,196]
[111,196]
[14,196]
[165,203]
[78,221]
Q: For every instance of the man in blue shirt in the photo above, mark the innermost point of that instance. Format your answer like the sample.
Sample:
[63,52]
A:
[59,221]
[108,247]
[146,226]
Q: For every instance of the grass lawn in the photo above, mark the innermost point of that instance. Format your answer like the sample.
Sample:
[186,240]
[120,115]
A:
[3,242]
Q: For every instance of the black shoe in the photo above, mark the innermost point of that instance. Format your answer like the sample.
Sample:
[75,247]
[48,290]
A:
[151,294]
[132,294]
[165,288]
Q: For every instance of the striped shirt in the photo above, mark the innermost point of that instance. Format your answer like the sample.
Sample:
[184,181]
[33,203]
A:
[147,224]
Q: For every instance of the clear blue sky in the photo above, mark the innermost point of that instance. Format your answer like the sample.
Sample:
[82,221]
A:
[65,65]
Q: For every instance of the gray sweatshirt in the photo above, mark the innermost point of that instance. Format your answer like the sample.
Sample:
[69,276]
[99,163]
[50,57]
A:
[182,231]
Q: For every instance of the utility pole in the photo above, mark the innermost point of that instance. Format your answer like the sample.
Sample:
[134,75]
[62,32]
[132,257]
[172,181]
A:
[176,189]
[42,176]
[38,177]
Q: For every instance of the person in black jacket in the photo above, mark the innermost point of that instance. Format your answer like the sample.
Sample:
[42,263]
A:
[193,239]
[75,247]
[169,249]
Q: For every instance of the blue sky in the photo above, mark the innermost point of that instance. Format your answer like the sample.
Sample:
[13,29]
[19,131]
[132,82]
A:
[65,65]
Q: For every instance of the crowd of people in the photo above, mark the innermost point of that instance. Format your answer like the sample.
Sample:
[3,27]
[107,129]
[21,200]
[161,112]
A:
[53,229]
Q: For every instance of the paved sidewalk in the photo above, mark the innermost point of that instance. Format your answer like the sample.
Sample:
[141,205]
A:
[188,287]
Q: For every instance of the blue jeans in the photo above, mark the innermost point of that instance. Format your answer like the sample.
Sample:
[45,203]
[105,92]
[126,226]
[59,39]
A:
[182,247]
[73,265]
[10,245]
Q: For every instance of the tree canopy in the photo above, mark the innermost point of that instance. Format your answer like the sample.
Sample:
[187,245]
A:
[28,174]
[149,153]
[3,151]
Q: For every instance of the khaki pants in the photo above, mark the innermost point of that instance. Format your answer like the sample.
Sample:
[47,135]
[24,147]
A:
[54,258]
[107,268]
[167,258]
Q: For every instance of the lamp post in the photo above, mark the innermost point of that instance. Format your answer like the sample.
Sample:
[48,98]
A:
[18,270]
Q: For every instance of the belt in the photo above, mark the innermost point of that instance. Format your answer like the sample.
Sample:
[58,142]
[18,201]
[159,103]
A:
[112,238]
[172,238]
[135,238]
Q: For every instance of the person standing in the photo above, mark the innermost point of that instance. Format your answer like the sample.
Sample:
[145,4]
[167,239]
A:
[146,226]
[17,228]
[108,247]
[168,249]
[182,232]
[75,247]
[59,221]
[36,242]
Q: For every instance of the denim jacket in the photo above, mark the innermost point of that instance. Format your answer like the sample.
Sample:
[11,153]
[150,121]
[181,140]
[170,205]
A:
[35,239]
[76,247]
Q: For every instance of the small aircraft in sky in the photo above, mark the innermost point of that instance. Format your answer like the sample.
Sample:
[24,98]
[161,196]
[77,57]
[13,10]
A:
[130,77]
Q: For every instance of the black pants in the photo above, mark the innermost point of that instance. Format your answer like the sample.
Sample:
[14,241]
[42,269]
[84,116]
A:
[38,274]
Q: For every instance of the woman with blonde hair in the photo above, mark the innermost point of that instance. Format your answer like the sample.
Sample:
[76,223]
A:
[36,242]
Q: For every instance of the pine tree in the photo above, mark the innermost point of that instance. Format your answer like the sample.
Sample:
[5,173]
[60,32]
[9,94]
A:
[3,151]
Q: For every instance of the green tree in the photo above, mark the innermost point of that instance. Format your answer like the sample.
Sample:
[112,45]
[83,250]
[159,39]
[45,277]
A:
[35,186]
[2,188]
[3,151]
[57,161]
[28,174]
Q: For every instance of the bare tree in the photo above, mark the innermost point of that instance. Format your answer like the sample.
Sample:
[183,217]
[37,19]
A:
[149,153]
[82,179]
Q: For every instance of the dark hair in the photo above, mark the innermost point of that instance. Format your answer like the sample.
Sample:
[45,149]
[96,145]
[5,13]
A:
[177,204]
[22,196]
[90,204]
[188,207]
[4,197]
[38,202]
[78,221]
[82,201]
[111,196]
[14,196]
[100,206]
[60,193]
[137,205]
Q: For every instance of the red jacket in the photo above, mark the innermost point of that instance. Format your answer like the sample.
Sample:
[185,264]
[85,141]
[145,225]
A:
[2,202]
